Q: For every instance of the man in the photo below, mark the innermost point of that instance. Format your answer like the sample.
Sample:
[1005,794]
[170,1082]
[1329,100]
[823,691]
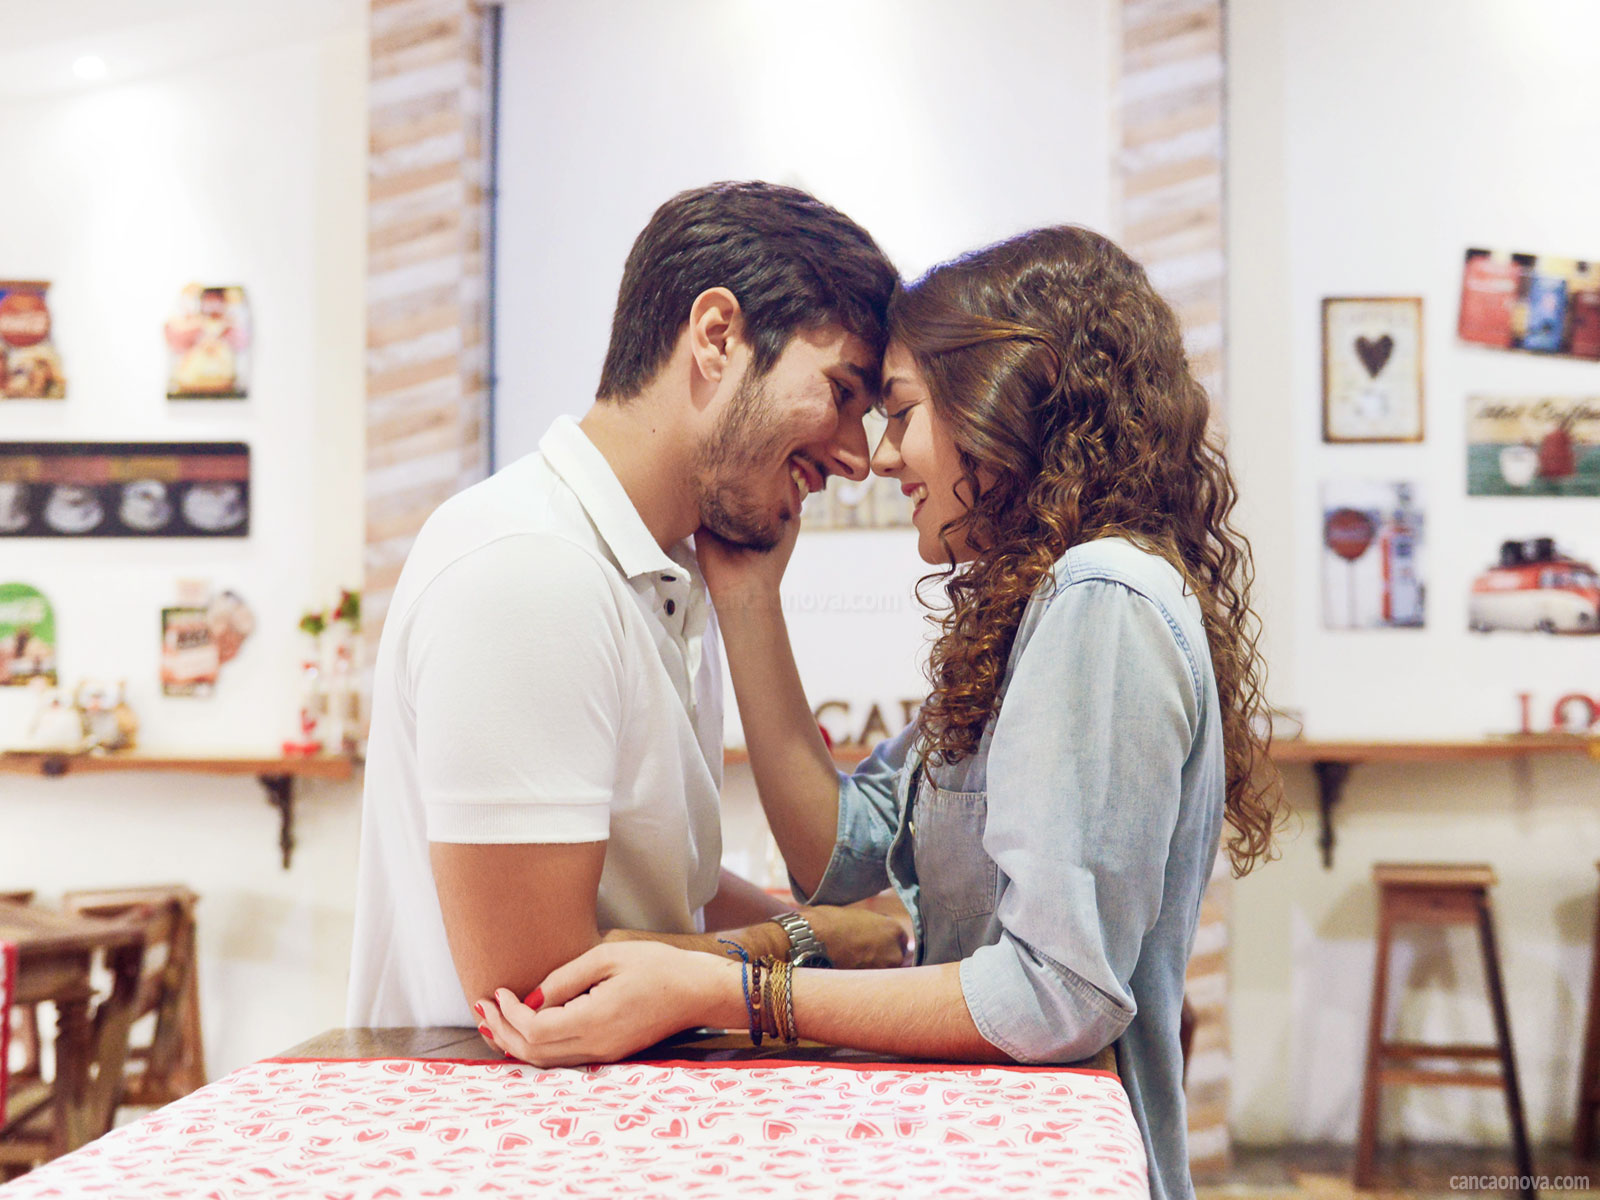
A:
[546,747]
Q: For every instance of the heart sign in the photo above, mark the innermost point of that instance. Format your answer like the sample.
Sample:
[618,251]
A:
[1374,352]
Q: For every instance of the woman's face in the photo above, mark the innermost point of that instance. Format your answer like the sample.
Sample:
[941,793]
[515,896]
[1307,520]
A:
[918,452]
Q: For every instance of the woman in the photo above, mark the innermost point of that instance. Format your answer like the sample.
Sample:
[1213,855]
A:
[1052,816]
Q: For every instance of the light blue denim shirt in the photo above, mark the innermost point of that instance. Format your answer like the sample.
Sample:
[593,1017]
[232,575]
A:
[1063,863]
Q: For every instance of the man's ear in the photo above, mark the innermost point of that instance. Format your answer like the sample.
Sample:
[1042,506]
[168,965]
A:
[715,327]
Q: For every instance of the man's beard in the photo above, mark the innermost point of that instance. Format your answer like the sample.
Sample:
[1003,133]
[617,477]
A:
[745,446]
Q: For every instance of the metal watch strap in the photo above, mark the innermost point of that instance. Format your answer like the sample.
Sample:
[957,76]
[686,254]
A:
[805,947]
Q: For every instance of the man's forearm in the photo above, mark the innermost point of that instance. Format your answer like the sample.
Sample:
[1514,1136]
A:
[739,902]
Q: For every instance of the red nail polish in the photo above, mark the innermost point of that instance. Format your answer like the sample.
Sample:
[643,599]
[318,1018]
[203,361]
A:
[484,1029]
[535,998]
[478,1008]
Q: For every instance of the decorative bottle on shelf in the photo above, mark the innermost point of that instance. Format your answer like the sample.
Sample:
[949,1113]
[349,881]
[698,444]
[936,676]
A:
[342,664]
[313,696]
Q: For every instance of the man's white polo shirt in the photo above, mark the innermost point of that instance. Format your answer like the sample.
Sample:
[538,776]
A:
[546,674]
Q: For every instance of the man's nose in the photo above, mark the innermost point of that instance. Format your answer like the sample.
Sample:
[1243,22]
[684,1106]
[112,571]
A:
[848,453]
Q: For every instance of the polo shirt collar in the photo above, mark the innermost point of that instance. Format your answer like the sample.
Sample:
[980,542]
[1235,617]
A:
[585,470]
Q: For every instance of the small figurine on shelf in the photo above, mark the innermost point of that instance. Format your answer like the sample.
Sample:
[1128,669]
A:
[107,719]
[313,699]
[57,725]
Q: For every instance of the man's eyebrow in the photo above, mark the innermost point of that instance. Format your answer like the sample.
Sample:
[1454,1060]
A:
[867,376]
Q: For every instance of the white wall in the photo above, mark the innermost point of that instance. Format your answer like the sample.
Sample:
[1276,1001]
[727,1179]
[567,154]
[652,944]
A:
[937,124]
[1370,144]
[248,168]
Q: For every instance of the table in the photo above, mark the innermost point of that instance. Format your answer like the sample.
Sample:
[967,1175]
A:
[55,951]
[437,1112]
[275,775]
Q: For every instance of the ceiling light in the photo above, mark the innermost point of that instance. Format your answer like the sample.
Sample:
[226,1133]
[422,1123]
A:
[90,66]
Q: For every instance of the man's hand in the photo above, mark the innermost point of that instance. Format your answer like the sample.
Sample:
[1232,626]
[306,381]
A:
[858,938]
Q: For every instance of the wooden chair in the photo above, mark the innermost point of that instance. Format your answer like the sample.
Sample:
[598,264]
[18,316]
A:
[1436,894]
[47,1118]
[172,1064]
[1583,1133]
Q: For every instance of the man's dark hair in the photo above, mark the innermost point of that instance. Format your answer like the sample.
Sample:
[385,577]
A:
[793,262]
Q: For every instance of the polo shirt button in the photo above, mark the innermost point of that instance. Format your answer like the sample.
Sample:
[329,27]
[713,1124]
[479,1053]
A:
[672,607]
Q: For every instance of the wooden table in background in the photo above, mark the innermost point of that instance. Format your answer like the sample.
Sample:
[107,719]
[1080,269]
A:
[54,953]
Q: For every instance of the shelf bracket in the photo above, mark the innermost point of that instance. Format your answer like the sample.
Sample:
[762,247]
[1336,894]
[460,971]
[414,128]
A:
[280,794]
[1330,787]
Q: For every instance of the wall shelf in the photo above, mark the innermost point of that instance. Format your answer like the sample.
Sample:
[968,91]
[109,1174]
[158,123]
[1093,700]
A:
[276,775]
[1332,762]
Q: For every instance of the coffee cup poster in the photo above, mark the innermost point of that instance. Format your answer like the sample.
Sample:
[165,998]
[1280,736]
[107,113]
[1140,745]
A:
[124,489]
[1533,446]
[30,367]
[208,344]
[1372,555]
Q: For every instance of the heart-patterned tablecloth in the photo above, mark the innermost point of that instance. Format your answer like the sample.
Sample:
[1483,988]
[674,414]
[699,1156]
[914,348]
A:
[402,1128]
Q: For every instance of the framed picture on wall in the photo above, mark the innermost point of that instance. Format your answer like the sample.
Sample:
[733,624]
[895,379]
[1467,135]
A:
[1372,369]
[1535,302]
[124,489]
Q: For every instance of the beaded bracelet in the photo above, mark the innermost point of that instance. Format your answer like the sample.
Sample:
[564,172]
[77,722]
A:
[758,969]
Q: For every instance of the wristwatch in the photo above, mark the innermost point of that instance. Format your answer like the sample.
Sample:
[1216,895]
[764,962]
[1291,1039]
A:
[805,947]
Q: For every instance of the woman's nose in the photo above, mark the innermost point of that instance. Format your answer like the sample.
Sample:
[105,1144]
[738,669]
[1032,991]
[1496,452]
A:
[886,457]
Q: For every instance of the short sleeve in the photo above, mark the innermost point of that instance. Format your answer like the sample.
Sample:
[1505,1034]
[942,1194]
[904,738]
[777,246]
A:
[1084,790]
[868,819]
[513,662]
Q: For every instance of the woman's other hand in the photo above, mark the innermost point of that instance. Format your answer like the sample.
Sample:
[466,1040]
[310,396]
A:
[860,939]
[613,1000]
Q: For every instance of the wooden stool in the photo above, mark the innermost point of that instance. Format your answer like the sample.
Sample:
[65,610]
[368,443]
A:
[1426,894]
[172,1064]
[1589,1073]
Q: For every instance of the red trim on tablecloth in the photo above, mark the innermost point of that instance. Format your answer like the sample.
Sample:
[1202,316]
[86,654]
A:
[733,1064]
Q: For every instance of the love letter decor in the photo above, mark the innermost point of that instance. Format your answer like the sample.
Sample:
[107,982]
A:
[1372,369]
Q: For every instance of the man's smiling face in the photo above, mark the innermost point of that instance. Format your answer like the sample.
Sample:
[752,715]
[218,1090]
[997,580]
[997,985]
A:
[782,434]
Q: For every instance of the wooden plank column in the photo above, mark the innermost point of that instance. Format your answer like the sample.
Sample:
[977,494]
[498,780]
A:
[427,270]
[1169,204]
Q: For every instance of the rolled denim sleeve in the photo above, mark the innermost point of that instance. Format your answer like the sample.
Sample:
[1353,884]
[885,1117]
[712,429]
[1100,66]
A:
[869,813]
[1084,782]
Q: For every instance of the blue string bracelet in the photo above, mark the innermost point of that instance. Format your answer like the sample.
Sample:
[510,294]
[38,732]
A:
[744,969]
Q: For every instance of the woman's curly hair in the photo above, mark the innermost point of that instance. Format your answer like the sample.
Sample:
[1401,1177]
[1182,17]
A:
[1062,378]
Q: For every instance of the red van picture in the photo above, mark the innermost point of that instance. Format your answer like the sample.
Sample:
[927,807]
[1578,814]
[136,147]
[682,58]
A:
[1536,588]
